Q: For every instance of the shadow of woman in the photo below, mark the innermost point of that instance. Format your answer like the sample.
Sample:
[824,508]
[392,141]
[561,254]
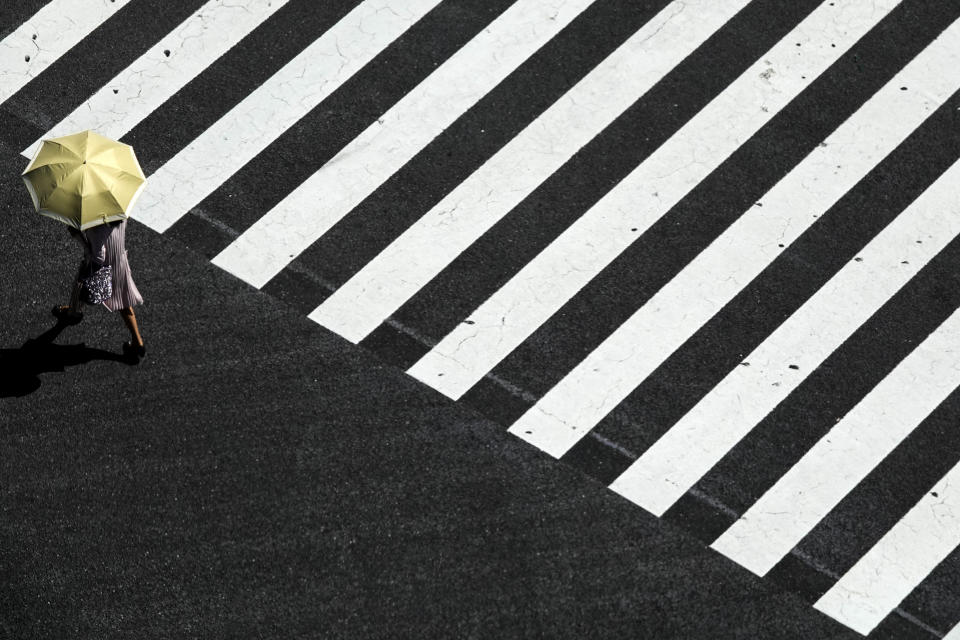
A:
[20,369]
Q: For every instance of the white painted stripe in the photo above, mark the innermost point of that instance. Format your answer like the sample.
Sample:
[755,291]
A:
[426,248]
[147,83]
[605,377]
[58,26]
[508,317]
[724,416]
[840,460]
[247,129]
[954,634]
[906,555]
[402,132]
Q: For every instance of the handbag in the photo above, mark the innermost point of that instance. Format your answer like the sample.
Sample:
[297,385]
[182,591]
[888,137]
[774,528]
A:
[98,286]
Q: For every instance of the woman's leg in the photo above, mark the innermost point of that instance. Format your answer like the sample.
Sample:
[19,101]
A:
[130,319]
[75,306]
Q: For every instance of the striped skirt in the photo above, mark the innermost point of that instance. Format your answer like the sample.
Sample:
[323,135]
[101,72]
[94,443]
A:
[105,245]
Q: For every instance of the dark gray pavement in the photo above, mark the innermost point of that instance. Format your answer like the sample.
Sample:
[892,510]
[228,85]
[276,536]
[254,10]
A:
[258,477]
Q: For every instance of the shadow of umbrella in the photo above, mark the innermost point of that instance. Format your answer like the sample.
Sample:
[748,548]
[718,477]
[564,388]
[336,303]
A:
[20,369]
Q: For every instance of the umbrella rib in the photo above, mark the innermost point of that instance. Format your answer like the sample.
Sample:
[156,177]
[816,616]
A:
[115,171]
[66,149]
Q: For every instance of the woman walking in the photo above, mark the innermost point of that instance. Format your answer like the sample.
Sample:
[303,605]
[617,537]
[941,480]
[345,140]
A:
[90,183]
[105,245]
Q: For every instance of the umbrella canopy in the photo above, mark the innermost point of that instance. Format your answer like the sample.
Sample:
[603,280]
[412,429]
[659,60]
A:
[84,179]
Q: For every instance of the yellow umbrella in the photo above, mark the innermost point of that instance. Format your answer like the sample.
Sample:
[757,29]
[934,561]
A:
[84,179]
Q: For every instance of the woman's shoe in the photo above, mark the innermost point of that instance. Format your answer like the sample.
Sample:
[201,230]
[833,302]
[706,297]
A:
[133,353]
[63,314]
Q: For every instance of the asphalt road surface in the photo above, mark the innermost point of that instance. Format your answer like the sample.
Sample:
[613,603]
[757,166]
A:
[491,319]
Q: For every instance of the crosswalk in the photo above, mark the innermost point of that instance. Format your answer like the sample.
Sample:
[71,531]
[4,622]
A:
[365,301]
[596,238]
[716,267]
[739,255]
[156,75]
[247,129]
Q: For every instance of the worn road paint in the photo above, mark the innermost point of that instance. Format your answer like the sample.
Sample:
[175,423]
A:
[528,300]
[676,312]
[262,117]
[403,131]
[419,254]
[165,69]
[906,555]
[801,498]
[46,36]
